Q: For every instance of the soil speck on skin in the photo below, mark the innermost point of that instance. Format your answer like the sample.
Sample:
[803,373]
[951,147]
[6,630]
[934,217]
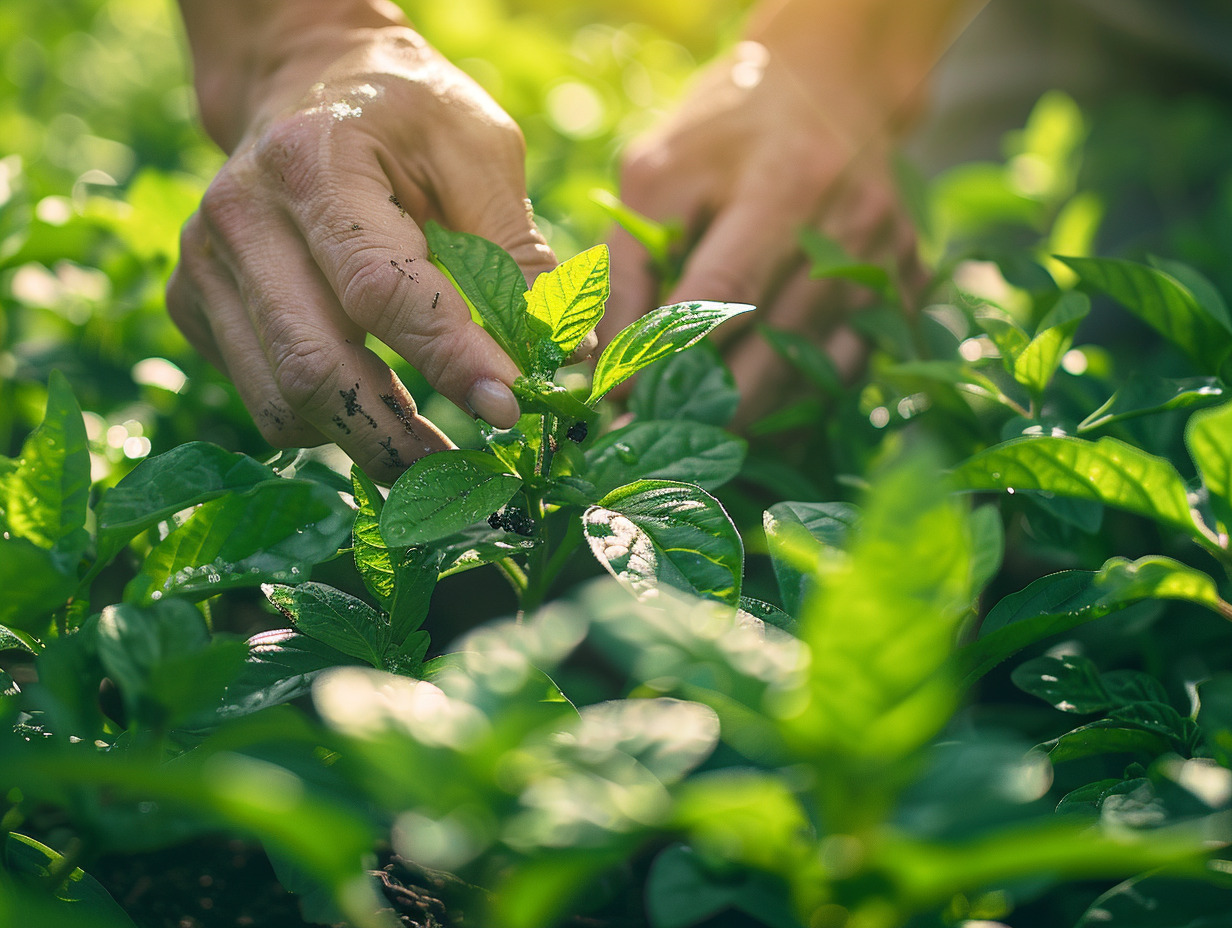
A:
[356,227]
[436,299]
[351,398]
[342,425]
[394,459]
[393,198]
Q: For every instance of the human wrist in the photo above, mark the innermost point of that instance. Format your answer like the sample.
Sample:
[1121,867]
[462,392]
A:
[251,58]
[865,61]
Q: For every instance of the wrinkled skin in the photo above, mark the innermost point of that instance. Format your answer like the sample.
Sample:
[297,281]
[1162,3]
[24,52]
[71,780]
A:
[309,239]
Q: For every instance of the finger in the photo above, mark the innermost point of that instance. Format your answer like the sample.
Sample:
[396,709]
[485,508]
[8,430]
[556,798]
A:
[184,302]
[209,286]
[746,252]
[379,271]
[316,357]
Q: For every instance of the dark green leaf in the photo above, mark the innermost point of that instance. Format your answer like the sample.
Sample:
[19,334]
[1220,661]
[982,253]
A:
[444,493]
[659,333]
[492,283]
[335,618]
[274,532]
[164,661]
[35,581]
[1107,471]
[1071,683]
[694,385]
[1064,600]
[1163,902]
[1106,737]
[1146,395]
[78,899]
[44,499]
[1215,716]
[681,891]
[165,484]
[476,546]
[656,532]
[281,666]
[768,613]
[680,450]
[1163,302]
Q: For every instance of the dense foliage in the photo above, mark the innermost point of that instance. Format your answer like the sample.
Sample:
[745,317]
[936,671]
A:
[948,645]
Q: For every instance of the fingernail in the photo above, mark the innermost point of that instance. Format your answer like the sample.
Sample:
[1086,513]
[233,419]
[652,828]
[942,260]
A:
[495,403]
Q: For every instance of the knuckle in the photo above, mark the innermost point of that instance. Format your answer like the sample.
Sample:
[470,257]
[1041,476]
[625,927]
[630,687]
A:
[222,205]
[289,152]
[372,283]
[304,374]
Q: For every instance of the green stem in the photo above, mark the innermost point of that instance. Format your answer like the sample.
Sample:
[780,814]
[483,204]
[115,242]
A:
[514,574]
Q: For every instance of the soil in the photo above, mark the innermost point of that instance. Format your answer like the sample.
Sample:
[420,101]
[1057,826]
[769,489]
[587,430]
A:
[221,883]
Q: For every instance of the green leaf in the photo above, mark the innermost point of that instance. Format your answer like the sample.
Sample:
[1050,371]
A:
[656,532]
[165,484]
[795,535]
[476,546]
[659,333]
[492,283]
[694,385]
[681,891]
[1107,471]
[1205,292]
[1070,684]
[1009,337]
[569,299]
[704,455]
[1038,361]
[373,558]
[273,532]
[164,661]
[1106,737]
[656,237]
[881,620]
[1163,902]
[334,618]
[44,499]
[281,666]
[829,259]
[78,899]
[546,397]
[35,581]
[816,366]
[1065,600]
[444,493]
[1146,394]
[415,576]
[1163,302]
[1215,715]
[1208,436]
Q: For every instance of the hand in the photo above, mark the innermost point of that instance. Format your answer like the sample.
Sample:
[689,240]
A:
[309,237]
[757,152]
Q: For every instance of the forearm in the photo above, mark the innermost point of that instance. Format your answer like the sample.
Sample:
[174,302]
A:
[248,54]
[872,54]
